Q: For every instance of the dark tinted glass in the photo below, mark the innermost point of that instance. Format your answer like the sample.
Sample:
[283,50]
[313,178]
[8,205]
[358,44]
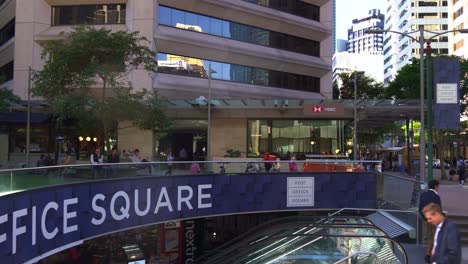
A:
[6,71]
[7,32]
[195,67]
[218,27]
[295,7]
[88,14]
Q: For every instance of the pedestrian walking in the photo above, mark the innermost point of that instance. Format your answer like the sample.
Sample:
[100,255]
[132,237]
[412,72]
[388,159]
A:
[428,197]
[169,160]
[446,248]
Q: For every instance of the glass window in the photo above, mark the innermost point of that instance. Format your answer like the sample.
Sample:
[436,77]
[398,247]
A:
[7,32]
[6,71]
[236,31]
[257,137]
[89,14]
[295,7]
[196,67]
[177,17]
[203,22]
[191,19]
[216,27]
[295,137]
[165,15]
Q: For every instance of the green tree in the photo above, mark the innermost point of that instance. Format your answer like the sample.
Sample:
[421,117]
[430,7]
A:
[85,79]
[6,96]
[336,90]
[406,84]
[367,87]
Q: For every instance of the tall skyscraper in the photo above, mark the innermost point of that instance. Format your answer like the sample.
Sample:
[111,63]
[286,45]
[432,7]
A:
[406,16]
[361,42]
[458,19]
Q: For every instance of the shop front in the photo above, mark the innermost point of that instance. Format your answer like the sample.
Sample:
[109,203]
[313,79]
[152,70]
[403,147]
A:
[249,128]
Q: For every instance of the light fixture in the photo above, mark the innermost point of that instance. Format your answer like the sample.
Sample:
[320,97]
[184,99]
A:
[337,151]
[80,138]
[95,139]
[350,151]
[349,143]
[312,142]
[88,139]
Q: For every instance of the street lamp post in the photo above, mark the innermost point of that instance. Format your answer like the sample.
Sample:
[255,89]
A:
[421,40]
[355,139]
[28,120]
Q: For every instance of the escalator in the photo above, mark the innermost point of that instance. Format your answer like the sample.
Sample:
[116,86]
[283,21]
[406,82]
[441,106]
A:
[298,240]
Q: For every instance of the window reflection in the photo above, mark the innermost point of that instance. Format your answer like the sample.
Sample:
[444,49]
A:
[295,7]
[88,14]
[218,27]
[195,67]
[7,32]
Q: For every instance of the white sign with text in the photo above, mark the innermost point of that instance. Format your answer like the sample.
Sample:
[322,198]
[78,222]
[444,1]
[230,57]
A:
[300,191]
[447,93]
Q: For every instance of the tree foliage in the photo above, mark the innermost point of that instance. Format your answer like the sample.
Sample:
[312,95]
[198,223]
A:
[367,87]
[406,84]
[85,78]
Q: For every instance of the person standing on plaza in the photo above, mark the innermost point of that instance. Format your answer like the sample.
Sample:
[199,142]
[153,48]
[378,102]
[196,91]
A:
[169,160]
[113,157]
[461,170]
[96,158]
[446,247]
[430,196]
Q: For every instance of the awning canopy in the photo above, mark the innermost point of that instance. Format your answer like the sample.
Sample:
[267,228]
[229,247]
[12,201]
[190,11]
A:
[371,112]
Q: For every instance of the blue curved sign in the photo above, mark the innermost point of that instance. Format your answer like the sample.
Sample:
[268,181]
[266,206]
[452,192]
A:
[37,223]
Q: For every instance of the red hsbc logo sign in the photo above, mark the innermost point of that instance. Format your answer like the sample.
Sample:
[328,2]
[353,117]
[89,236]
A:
[324,110]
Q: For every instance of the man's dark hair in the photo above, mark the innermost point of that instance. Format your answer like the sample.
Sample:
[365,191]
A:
[433,184]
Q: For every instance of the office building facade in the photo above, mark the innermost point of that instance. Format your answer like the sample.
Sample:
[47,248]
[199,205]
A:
[458,19]
[255,49]
[408,16]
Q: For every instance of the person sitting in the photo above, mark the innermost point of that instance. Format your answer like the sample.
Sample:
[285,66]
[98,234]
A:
[136,158]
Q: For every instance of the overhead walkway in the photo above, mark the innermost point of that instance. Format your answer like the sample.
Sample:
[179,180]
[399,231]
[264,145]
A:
[311,240]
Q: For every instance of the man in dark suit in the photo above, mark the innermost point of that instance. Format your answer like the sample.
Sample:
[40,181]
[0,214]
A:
[430,196]
[447,247]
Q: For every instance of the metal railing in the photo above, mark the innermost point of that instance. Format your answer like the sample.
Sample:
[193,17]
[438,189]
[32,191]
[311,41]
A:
[368,253]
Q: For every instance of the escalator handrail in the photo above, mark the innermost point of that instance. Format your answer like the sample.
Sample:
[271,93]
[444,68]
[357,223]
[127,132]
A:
[391,240]
[271,223]
[369,253]
[236,241]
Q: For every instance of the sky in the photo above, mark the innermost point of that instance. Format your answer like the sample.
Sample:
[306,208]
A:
[347,10]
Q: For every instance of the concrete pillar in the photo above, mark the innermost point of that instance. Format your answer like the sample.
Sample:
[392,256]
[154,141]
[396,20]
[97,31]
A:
[141,17]
[33,17]
[228,133]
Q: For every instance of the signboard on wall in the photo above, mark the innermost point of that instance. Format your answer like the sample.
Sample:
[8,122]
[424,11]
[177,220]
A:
[36,223]
[324,110]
